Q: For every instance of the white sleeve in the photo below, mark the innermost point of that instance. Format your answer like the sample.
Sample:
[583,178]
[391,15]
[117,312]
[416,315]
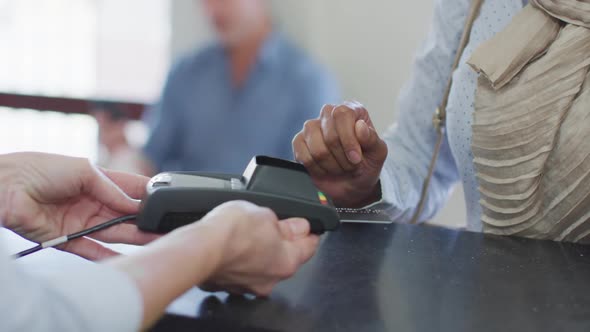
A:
[88,297]
[411,141]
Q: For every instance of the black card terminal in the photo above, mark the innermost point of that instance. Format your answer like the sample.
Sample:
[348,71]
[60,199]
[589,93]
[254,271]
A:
[176,199]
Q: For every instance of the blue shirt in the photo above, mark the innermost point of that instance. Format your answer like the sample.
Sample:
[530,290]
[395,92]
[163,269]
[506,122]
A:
[411,141]
[204,123]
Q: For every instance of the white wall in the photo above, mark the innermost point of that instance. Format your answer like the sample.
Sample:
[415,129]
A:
[368,45]
[132,48]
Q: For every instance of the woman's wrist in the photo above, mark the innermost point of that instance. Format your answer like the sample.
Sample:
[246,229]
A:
[358,198]
[182,259]
[204,243]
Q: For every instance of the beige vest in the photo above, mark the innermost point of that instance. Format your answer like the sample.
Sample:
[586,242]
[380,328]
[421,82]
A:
[531,128]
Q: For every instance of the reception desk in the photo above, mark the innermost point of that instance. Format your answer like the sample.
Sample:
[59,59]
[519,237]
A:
[391,277]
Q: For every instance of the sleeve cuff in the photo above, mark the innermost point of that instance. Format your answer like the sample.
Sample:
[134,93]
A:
[389,202]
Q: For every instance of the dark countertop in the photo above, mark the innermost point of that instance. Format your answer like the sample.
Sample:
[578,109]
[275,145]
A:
[375,277]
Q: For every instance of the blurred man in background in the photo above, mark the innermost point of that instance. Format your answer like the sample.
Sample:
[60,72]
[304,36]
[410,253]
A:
[246,94]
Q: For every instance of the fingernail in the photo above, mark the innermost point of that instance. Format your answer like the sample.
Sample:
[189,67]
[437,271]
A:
[298,226]
[354,157]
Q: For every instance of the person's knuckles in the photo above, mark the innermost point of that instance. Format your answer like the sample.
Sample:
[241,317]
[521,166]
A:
[343,118]
[331,138]
[320,153]
[315,141]
[308,162]
[301,157]
[360,111]
[356,106]
[368,137]
[314,169]
[301,152]
[374,138]
[326,110]
[350,145]
[381,150]
[311,126]
[343,113]
[298,145]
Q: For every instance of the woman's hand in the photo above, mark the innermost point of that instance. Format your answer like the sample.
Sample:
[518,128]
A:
[44,196]
[238,247]
[257,250]
[343,154]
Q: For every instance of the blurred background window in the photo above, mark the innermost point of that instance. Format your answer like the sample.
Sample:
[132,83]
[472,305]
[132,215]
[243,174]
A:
[106,49]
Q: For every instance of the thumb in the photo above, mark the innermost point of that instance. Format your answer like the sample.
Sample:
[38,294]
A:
[300,243]
[109,194]
[369,139]
[305,247]
[294,228]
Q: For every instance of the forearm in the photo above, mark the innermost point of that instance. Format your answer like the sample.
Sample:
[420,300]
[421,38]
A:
[167,268]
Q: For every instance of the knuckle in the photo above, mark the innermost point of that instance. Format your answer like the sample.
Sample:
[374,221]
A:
[358,109]
[326,110]
[362,113]
[320,154]
[341,112]
[299,144]
[354,104]
[304,159]
[332,140]
[310,125]
[348,145]
[297,139]
[297,155]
